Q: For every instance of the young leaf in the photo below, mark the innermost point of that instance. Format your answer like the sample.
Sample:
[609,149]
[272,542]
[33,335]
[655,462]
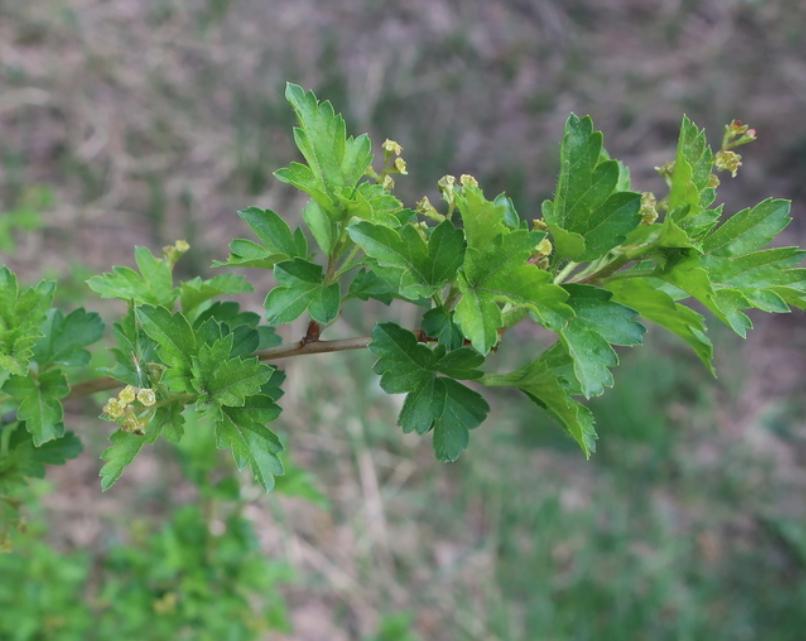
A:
[276,241]
[598,323]
[656,305]
[66,336]
[152,285]
[243,430]
[335,162]
[438,323]
[540,383]
[227,381]
[691,191]
[24,460]
[176,343]
[750,229]
[588,217]
[196,292]
[22,313]
[419,268]
[39,403]
[433,401]
[502,274]
[302,287]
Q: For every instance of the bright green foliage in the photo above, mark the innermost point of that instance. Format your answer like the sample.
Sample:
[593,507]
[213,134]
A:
[39,403]
[588,216]
[65,338]
[690,190]
[153,284]
[275,243]
[604,261]
[657,306]
[335,161]
[416,268]
[598,323]
[543,384]
[195,293]
[302,286]
[497,270]
[23,459]
[22,311]
[434,399]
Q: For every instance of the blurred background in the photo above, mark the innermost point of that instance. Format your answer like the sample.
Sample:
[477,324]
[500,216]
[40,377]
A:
[138,122]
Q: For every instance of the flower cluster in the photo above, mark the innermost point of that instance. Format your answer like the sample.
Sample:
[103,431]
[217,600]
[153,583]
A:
[133,408]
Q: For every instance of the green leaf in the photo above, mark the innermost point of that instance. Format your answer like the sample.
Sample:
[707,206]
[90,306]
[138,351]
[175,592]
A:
[690,191]
[433,401]
[368,285]
[66,336]
[25,460]
[176,343]
[243,430]
[322,226]
[373,203]
[302,287]
[588,217]
[438,323]
[335,162]
[656,305]
[22,314]
[276,241]
[501,274]
[196,292]
[39,403]
[690,275]
[152,285]
[598,323]
[541,384]
[419,268]
[224,380]
[750,229]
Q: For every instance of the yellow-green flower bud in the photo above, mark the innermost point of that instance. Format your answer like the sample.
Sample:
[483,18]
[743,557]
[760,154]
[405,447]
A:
[538,224]
[544,247]
[726,160]
[388,183]
[400,165]
[127,395]
[113,409]
[181,246]
[649,208]
[713,181]
[466,180]
[392,147]
[147,397]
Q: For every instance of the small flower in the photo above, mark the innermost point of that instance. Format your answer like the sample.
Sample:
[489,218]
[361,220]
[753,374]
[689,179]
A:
[726,160]
[400,165]
[544,247]
[388,183]
[666,170]
[147,397]
[713,181]
[181,246]
[737,134]
[446,183]
[392,147]
[538,224]
[425,208]
[467,180]
[113,408]
[649,208]
[127,395]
